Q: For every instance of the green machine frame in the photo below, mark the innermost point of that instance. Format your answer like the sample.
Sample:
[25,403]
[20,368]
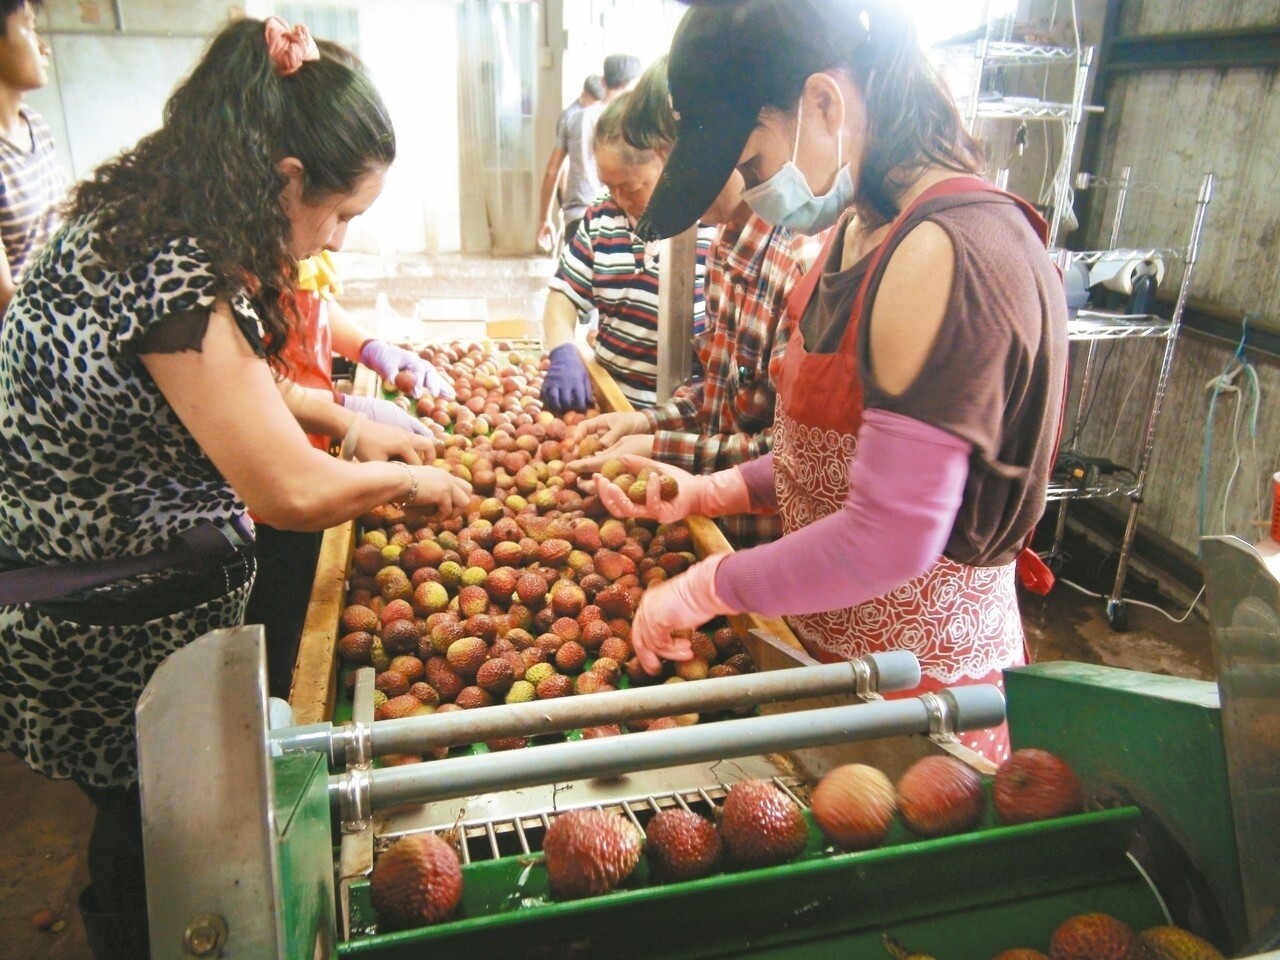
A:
[241,844]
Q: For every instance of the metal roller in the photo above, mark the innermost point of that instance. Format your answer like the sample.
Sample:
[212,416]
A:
[354,743]
[357,793]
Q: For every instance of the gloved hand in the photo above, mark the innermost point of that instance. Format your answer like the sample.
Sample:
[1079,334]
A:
[685,602]
[566,385]
[387,360]
[713,495]
[384,412]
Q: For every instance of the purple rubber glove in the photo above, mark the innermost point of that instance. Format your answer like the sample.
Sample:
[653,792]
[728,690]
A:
[387,360]
[566,385]
[384,412]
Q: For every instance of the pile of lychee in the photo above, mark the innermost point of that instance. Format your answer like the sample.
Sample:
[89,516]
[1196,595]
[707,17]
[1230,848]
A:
[854,805]
[529,594]
[494,384]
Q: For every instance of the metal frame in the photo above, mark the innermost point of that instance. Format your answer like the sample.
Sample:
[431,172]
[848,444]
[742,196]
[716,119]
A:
[1244,600]
[356,793]
[1093,327]
[209,778]
[676,282]
[1210,49]
[213,874]
[991,53]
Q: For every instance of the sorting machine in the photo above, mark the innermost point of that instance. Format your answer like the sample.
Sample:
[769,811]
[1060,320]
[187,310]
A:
[259,840]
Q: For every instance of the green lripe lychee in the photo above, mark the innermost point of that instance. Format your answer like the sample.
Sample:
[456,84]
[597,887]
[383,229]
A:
[430,597]
[522,691]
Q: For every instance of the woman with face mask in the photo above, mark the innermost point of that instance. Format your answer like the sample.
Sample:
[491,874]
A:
[919,398]
[726,417]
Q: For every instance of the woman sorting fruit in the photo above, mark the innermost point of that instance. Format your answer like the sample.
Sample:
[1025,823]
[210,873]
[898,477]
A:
[286,559]
[137,405]
[726,418]
[606,267]
[919,397]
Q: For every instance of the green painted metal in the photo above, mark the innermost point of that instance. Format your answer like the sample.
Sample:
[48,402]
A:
[1156,742]
[303,831]
[963,898]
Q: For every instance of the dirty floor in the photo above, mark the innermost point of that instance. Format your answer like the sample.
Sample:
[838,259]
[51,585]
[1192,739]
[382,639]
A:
[47,823]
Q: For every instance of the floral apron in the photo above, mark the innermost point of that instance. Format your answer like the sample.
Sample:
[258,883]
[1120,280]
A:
[961,622]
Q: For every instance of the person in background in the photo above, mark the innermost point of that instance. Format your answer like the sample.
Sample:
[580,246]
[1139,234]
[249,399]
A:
[555,179]
[136,351]
[725,418]
[32,183]
[605,267]
[583,183]
[919,397]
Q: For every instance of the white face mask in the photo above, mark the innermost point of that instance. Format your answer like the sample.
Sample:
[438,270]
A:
[785,199]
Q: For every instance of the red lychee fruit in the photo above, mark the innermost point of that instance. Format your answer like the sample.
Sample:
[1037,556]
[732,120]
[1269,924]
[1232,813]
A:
[531,589]
[681,846]
[589,852]
[496,676]
[1035,785]
[416,881]
[939,796]
[472,698]
[760,825]
[854,805]
[1095,936]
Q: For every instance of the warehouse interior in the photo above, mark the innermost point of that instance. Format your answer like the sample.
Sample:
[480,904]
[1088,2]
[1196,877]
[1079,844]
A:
[1150,148]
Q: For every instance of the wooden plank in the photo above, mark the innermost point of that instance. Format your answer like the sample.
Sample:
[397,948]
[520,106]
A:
[609,398]
[314,690]
[315,674]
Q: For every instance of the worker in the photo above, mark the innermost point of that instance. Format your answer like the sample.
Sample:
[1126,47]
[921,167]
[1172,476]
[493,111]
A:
[286,559]
[32,183]
[555,178]
[606,267]
[726,417]
[576,148]
[139,409]
[920,392]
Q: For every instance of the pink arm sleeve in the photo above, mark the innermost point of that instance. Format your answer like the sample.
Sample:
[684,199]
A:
[905,488]
[759,476]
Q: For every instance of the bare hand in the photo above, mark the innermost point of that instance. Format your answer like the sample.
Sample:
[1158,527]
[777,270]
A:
[378,441]
[443,494]
[611,427]
[545,235]
[637,445]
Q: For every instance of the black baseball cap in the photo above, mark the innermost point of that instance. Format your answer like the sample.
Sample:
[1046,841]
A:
[727,62]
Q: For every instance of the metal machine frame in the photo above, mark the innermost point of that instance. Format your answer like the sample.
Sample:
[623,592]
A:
[241,898]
